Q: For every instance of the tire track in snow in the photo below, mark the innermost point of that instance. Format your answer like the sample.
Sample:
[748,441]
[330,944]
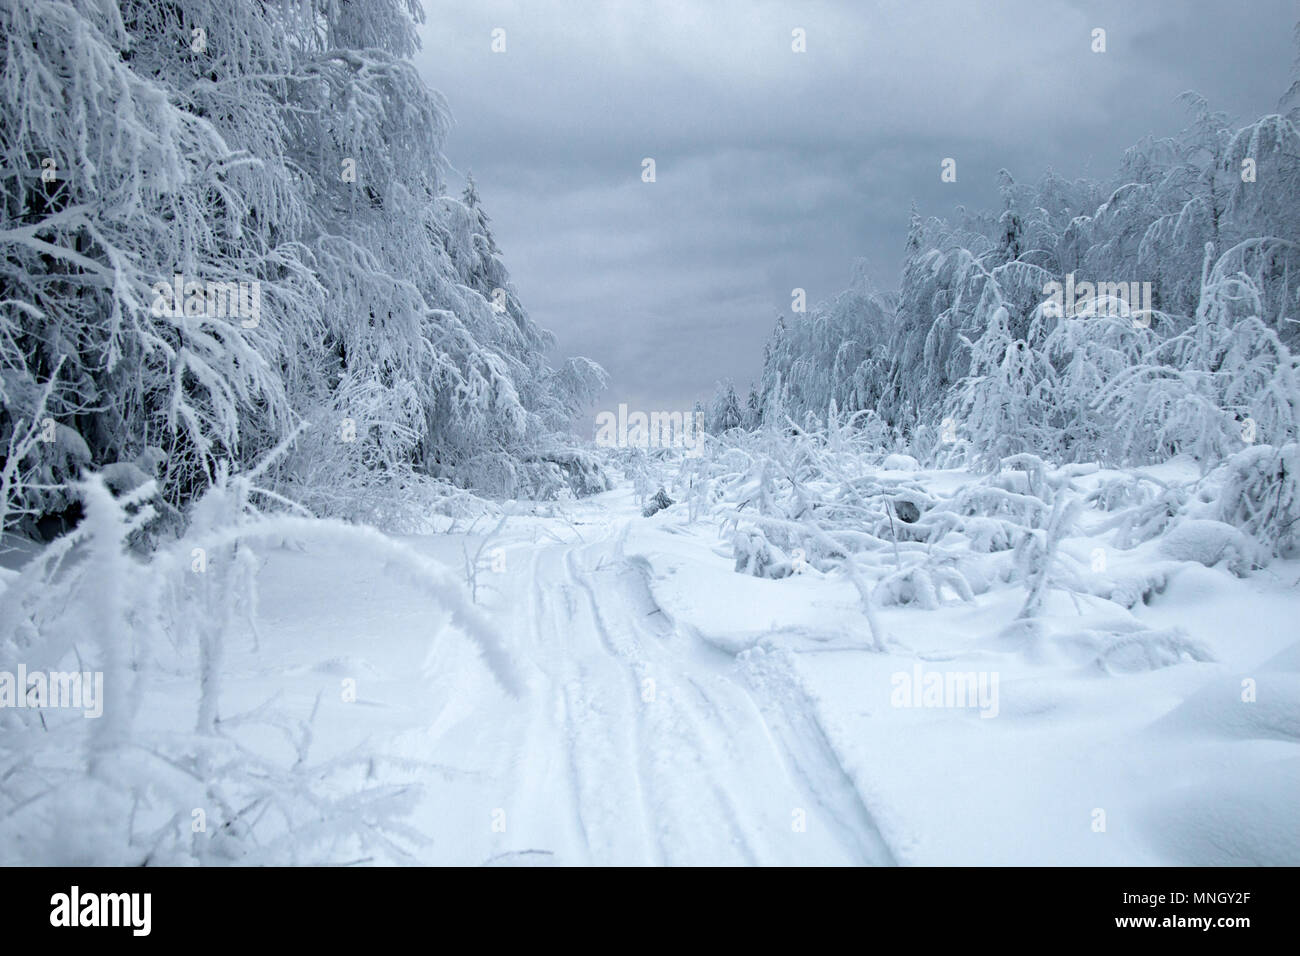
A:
[790,724]
[547,742]
[708,768]
[684,819]
[793,723]
[640,737]
[730,783]
[599,728]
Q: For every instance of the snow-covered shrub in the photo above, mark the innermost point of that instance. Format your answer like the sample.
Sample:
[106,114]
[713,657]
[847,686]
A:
[921,585]
[1131,650]
[1124,491]
[41,456]
[1260,494]
[354,459]
[582,472]
[899,462]
[1036,553]
[657,503]
[1150,514]
[757,556]
[1209,543]
[643,468]
[1007,402]
[1226,376]
[88,602]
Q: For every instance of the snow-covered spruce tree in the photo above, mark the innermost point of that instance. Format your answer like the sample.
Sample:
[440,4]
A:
[725,412]
[753,413]
[485,243]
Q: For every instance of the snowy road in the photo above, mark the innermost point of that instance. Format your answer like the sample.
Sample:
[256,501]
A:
[648,746]
[676,712]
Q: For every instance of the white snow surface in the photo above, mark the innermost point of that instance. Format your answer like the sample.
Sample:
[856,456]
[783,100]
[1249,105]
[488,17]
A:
[677,712]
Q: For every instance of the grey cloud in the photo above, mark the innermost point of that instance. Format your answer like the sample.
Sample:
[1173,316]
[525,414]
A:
[777,169]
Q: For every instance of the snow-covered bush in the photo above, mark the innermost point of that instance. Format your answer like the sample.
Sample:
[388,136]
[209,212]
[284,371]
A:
[657,503]
[1209,543]
[922,585]
[88,602]
[757,556]
[581,472]
[1260,494]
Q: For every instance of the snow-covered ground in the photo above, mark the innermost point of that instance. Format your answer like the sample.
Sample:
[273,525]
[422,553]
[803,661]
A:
[677,712]
[996,564]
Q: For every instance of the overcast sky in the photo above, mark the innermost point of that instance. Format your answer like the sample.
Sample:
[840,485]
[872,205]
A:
[778,169]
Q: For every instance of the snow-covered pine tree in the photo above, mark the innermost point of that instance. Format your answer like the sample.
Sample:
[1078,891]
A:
[725,412]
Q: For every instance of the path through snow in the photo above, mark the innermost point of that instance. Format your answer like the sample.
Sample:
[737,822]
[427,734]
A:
[648,746]
[680,713]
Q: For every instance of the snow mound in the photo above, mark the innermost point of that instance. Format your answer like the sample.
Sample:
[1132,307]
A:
[1231,821]
[1262,705]
[1118,647]
[1209,542]
[898,462]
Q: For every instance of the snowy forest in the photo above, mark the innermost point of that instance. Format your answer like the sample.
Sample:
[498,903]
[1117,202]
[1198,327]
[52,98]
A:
[315,551]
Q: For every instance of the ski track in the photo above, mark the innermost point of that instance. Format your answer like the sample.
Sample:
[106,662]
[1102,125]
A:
[647,746]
